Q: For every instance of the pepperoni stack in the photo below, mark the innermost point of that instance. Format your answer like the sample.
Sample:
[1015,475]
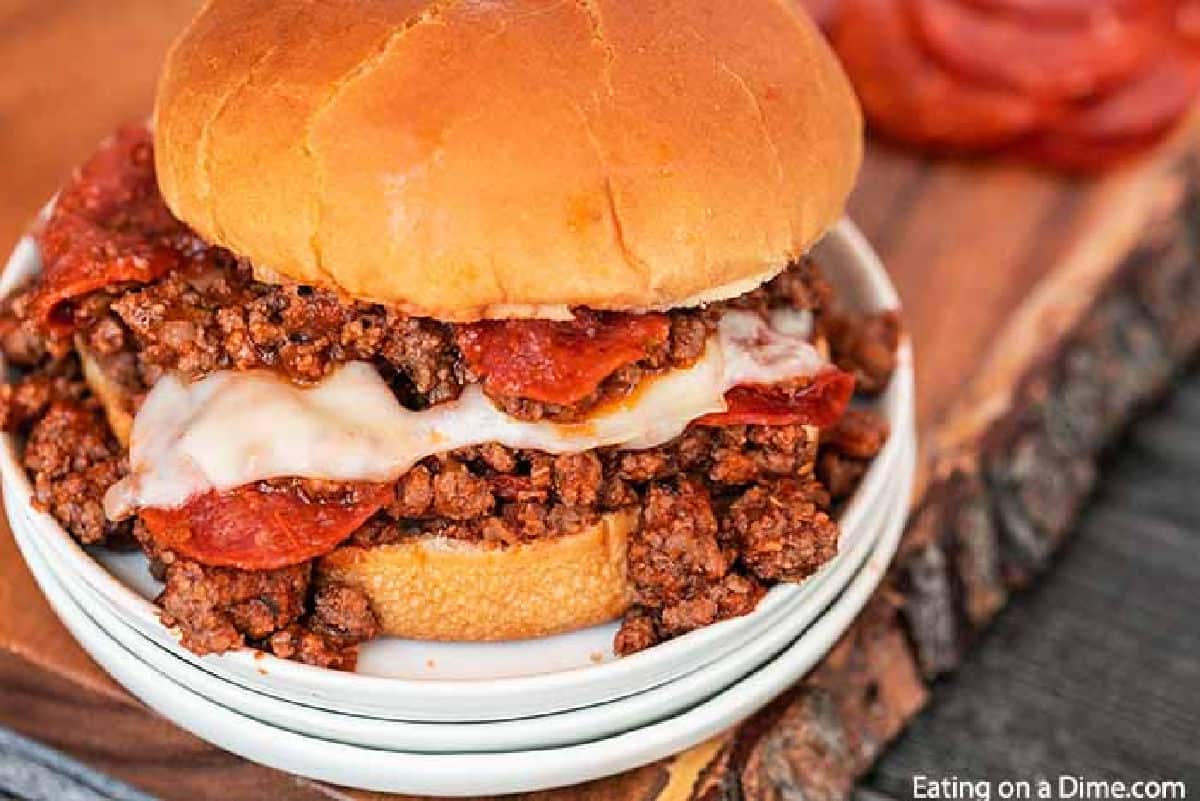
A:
[1077,85]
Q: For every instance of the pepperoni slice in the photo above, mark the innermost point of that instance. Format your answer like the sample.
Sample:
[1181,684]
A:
[1082,156]
[820,403]
[1048,61]
[251,529]
[92,259]
[109,226]
[909,97]
[558,362]
[1125,123]
[1186,21]
[1149,104]
[1061,10]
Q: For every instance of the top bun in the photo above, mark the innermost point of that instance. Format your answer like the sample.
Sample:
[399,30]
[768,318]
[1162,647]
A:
[508,158]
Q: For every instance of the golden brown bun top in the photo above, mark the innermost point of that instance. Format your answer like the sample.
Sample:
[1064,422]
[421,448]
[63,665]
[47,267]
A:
[466,158]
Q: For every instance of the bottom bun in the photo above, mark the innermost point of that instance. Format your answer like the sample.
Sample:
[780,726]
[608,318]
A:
[113,398]
[440,589]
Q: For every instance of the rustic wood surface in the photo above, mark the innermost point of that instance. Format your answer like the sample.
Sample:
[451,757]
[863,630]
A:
[1035,287]
[1094,672]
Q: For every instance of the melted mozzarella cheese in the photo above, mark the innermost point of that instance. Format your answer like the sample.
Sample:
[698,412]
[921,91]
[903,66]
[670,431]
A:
[232,428]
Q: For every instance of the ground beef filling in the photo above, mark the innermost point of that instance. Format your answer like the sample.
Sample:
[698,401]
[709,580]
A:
[73,459]
[865,346]
[210,314]
[217,609]
[503,496]
[69,452]
[723,511]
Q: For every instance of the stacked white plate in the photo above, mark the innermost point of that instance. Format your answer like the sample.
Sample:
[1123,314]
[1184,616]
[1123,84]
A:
[464,719]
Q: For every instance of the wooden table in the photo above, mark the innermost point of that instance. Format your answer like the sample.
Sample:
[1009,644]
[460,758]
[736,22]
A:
[1042,312]
[1095,673]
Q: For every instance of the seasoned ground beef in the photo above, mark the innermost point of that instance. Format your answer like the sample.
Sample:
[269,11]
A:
[734,595]
[683,571]
[309,646]
[495,494]
[22,345]
[638,631]
[781,530]
[212,315]
[217,609]
[860,434]
[343,614]
[675,555]
[24,402]
[724,511]
[800,286]
[847,450]
[341,619]
[578,478]
[864,345]
[72,459]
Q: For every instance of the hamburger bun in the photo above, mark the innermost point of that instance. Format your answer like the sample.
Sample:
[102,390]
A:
[508,159]
[113,398]
[439,589]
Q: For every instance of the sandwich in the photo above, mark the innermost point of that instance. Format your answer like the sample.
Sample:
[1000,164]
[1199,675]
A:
[456,321]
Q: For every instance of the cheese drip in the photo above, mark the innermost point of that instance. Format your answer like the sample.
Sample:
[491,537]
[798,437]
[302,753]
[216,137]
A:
[233,428]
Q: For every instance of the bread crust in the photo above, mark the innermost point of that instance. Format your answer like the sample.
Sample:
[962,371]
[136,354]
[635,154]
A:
[438,589]
[516,158]
[113,399]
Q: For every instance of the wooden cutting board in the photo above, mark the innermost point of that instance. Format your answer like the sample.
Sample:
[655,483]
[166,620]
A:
[1043,312]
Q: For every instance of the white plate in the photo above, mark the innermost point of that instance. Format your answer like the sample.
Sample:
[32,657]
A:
[408,680]
[474,774]
[567,728]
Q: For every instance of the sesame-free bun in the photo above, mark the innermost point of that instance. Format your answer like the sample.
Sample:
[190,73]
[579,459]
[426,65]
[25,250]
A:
[114,399]
[439,589]
[508,158]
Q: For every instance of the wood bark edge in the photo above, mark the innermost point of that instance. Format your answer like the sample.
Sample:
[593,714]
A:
[1004,479]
